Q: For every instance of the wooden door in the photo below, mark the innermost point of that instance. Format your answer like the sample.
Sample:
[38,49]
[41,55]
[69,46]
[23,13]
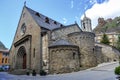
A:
[24,61]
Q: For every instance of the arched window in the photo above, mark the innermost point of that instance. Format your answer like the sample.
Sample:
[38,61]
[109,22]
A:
[84,25]
[74,55]
[34,53]
[23,29]
[93,49]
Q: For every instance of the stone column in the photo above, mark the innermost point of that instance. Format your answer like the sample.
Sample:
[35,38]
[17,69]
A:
[28,52]
[27,60]
[41,45]
[15,60]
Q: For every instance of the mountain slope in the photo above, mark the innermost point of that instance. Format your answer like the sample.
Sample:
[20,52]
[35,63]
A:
[109,25]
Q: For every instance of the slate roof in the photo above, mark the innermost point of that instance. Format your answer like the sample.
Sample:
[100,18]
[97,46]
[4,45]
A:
[71,25]
[41,20]
[2,46]
[61,42]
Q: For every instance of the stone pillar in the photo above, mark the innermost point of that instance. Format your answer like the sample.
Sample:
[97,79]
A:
[41,59]
[15,60]
[38,55]
[28,52]
[28,60]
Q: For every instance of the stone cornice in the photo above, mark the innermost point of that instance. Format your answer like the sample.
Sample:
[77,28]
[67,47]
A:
[26,38]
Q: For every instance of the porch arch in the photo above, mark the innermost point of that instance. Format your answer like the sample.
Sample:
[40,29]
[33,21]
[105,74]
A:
[21,58]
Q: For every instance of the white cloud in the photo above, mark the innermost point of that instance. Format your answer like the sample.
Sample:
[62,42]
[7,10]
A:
[72,4]
[106,10]
[64,20]
[93,1]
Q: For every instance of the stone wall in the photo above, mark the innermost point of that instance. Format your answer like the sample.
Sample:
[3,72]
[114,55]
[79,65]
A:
[33,46]
[109,53]
[85,41]
[45,57]
[99,55]
[18,62]
[62,33]
[63,59]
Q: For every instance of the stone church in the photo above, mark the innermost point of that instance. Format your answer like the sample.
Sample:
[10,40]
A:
[41,43]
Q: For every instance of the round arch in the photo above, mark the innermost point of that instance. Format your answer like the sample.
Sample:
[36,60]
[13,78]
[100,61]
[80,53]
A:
[21,58]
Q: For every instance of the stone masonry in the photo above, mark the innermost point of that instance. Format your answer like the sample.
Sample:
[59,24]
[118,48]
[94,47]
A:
[41,43]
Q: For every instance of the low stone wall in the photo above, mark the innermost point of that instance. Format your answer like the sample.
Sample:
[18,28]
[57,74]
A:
[109,53]
[99,55]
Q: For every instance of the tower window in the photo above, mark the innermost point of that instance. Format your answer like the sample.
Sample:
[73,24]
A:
[84,25]
[73,55]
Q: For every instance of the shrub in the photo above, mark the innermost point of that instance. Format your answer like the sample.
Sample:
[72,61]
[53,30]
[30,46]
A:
[117,70]
[1,69]
[105,39]
[27,73]
[43,73]
[34,73]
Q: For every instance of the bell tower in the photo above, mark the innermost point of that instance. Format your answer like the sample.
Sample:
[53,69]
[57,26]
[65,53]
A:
[86,24]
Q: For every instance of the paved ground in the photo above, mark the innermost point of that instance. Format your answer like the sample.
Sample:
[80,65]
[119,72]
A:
[102,72]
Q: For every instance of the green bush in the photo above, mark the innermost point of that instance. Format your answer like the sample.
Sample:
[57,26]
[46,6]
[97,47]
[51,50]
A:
[117,70]
[34,73]
[43,73]
[1,70]
[27,73]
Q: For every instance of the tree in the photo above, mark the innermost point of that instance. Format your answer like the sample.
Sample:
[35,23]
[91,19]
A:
[105,39]
[118,43]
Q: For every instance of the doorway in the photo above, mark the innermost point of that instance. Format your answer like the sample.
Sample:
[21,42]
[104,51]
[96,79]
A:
[21,58]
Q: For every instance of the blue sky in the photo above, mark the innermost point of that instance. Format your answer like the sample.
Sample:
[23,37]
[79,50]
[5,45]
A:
[64,11]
